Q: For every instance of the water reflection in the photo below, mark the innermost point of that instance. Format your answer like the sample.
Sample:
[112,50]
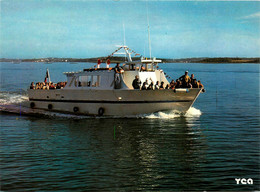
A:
[132,153]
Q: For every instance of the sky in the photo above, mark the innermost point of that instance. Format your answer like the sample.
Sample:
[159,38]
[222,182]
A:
[83,29]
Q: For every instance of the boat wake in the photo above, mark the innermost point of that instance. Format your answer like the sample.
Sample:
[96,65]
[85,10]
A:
[161,115]
[12,97]
[191,113]
[14,103]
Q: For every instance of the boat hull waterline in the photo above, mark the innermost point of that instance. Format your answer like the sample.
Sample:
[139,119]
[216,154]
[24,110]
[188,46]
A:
[113,103]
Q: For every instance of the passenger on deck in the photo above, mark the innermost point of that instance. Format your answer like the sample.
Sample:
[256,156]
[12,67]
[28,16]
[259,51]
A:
[118,69]
[172,85]
[62,85]
[167,86]
[146,83]
[200,84]
[79,85]
[32,86]
[150,87]
[185,79]
[44,86]
[136,82]
[37,85]
[193,81]
[58,86]
[144,87]
[162,85]
[178,84]
[142,68]
[47,86]
[157,85]
[51,86]
[41,86]
[195,84]
[192,78]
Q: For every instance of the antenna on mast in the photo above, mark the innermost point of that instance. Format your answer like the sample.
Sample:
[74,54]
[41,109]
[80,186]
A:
[149,41]
[124,33]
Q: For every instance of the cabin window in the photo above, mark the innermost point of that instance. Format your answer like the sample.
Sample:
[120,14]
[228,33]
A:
[81,81]
[149,67]
[131,67]
[84,81]
[95,80]
[88,81]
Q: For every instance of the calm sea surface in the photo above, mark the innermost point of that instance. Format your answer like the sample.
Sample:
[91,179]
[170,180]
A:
[216,142]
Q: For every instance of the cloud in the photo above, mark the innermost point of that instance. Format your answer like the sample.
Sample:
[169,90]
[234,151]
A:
[252,16]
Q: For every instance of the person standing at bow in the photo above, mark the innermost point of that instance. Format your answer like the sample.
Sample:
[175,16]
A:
[185,79]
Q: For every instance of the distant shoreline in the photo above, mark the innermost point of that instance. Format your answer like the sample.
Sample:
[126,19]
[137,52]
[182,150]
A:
[122,59]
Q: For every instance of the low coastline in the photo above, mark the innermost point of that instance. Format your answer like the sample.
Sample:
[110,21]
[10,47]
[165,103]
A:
[234,60]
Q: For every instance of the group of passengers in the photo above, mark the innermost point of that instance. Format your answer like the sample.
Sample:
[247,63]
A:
[183,82]
[47,86]
[189,82]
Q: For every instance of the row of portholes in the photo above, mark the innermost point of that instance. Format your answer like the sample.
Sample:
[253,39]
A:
[101,110]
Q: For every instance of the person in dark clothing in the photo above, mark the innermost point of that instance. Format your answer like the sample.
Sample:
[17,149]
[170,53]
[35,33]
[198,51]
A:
[32,86]
[200,84]
[192,78]
[193,81]
[117,68]
[150,87]
[79,85]
[162,85]
[144,86]
[136,82]
[157,85]
[172,85]
[58,85]
[195,84]
[178,84]
[185,79]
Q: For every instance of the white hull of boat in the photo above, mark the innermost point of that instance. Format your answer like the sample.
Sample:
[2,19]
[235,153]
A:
[113,103]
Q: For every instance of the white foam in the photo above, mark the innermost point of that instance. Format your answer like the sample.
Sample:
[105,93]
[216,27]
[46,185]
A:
[9,98]
[193,112]
[161,115]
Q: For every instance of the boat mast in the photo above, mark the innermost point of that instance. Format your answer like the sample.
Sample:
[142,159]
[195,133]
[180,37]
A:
[149,41]
[124,33]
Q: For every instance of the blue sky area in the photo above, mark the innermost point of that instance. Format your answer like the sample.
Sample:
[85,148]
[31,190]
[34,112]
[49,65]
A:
[81,29]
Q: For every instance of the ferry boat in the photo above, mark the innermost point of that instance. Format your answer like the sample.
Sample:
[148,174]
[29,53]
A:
[103,92]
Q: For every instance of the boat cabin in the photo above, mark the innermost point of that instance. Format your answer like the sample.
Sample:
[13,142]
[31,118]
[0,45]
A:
[107,78]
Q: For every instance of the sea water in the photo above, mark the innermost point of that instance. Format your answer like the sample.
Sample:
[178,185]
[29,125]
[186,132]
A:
[209,148]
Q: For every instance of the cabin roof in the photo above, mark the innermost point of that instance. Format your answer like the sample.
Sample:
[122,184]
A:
[89,70]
